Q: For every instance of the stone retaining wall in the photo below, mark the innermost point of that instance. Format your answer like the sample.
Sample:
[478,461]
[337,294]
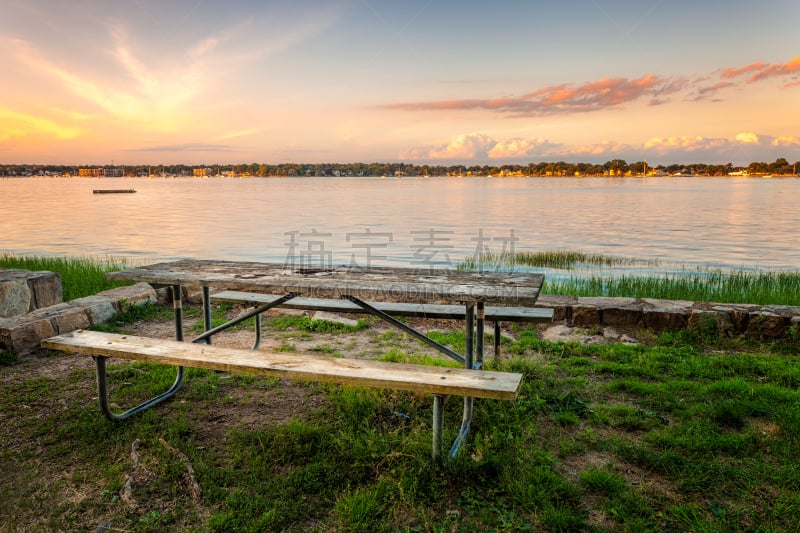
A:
[763,321]
[23,333]
[23,291]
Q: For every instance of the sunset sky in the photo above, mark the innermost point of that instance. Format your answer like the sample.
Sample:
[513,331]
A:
[429,81]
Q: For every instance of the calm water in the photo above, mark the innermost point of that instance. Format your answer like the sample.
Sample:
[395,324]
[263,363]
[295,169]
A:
[729,223]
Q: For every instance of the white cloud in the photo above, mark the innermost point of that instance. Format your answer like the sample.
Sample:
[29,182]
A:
[748,137]
[515,148]
[466,146]
[480,148]
[789,140]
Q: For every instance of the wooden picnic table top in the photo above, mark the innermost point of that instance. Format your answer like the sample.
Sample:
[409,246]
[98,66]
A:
[419,285]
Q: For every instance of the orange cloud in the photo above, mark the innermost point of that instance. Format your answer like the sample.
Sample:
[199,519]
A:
[593,96]
[609,93]
[761,71]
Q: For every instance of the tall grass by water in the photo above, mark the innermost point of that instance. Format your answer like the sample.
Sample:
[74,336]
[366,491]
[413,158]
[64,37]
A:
[587,278]
[764,288]
[80,276]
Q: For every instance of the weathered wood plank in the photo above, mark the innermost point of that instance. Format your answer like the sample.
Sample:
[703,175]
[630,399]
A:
[378,284]
[442,311]
[357,372]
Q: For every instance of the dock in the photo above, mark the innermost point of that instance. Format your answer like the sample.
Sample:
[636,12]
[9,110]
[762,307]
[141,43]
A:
[113,191]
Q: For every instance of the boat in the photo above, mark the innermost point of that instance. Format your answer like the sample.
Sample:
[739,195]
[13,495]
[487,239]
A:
[113,191]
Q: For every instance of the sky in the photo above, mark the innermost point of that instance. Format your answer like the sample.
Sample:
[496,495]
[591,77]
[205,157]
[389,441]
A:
[415,81]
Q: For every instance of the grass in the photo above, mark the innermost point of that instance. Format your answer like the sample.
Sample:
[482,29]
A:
[562,259]
[80,276]
[706,285]
[765,288]
[691,430]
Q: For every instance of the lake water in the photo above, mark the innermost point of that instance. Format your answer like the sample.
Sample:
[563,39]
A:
[728,223]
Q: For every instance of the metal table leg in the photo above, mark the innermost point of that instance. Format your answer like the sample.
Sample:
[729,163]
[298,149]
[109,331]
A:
[100,367]
[438,425]
[469,341]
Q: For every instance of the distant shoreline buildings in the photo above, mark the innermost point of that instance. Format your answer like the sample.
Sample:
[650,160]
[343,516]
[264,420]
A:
[612,168]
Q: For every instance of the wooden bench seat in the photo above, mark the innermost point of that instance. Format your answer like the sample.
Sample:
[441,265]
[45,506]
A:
[358,372]
[441,382]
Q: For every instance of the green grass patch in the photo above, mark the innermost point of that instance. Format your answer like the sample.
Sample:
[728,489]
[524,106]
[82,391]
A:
[80,276]
[304,323]
[764,288]
[560,259]
[132,314]
[8,357]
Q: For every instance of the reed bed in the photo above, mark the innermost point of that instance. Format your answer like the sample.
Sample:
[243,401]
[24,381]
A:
[764,288]
[561,259]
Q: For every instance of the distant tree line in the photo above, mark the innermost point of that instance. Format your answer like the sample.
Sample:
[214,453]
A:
[614,167]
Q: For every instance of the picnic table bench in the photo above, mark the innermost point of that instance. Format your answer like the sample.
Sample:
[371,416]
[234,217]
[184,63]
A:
[440,382]
[356,285]
[496,314]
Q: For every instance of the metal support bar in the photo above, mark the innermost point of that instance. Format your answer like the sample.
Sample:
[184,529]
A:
[178,308]
[241,318]
[469,341]
[257,342]
[496,338]
[207,311]
[438,425]
[411,331]
[481,312]
[102,385]
[102,390]
[100,362]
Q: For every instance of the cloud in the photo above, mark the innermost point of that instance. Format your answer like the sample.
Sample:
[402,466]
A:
[747,137]
[188,147]
[592,96]
[465,146]
[481,147]
[790,140]
[477,148]
[606,148]
[761,71]
[514,148]
[665,145]
[161,92]
[609,93]
[14,125]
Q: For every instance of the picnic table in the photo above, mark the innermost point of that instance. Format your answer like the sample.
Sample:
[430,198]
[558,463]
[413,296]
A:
[359,285]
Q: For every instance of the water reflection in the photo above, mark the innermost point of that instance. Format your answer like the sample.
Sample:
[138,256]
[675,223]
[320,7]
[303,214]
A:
[728,223]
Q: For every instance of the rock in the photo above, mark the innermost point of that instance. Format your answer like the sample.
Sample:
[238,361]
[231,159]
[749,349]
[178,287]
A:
[64,317]
[559,333]
[628,315]
[99,309]
[561,305]
[700,318]
[15,297]
[46,289]
[333,317]
[23,334]
[665,318]
[766,324]
[585,315]
[132,294]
